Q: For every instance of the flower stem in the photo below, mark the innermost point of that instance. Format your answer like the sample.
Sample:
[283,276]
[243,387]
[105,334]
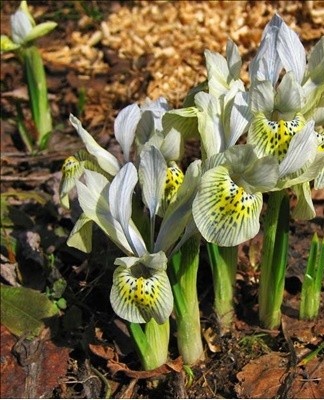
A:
[151,345]
[37,89]
[274,259]
[183,276]
[223,262]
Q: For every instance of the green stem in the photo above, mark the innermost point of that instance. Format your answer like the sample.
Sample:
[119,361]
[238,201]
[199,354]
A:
[274,259]
[223,262]
[183,276]
[23,131]
[311,289]
[37,89]
[151,345]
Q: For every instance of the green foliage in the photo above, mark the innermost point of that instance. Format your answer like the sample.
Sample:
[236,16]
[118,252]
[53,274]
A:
[311,289]
[26,311]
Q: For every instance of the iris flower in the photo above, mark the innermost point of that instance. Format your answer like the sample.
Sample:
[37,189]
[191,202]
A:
[24,29]
[106,190]
[217,111]
[281,105]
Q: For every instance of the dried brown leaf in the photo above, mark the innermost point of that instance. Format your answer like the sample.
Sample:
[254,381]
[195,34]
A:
[171,366]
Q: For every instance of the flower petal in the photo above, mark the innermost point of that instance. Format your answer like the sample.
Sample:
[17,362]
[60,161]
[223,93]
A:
[106,160]
[93,199]
[239,119]
[217,73]
[125,127]
[209,123]
[178,213]
[273,137]
[234,59]
[120,203]
[174,179]
[183,120]
[6,44]
[262,98]
[81,234]
[72,169]
[152,171]
[290,96]
[302,149]
[267,65]
[224,213]
[138,299]
[304,208]
[20,26]
[291,52]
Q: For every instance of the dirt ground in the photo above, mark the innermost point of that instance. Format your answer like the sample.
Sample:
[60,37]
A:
[102,56]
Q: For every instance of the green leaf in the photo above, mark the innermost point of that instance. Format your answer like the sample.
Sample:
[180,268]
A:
[183,120]
[40,30]
[25,311]
[6,44]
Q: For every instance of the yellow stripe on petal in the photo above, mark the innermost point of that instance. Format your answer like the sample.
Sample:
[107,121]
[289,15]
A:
[224,213]
[71,167]
[320,138]
[173,181]
[273,137]
[140,298]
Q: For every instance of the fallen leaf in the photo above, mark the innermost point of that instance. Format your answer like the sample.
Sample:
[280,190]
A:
[266,376]
[105,352]
[43,365]
[309,383]
[262,378]
[175,366]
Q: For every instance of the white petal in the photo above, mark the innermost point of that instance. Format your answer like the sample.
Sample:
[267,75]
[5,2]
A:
[152,174]
[233,59]
[172,147]
[239,119]
[217,73]
[290,95]
[125,127]
[106,160]
[183,120]
[138,299]
[179,212]
[224,213]
[267,65]
[209,124]
[262,97]
[120,202]
[95,206]
[291,52]
[20,26]
[304,208]
[302,149]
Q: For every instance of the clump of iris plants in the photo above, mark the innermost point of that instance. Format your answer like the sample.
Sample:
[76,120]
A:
[158,216]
